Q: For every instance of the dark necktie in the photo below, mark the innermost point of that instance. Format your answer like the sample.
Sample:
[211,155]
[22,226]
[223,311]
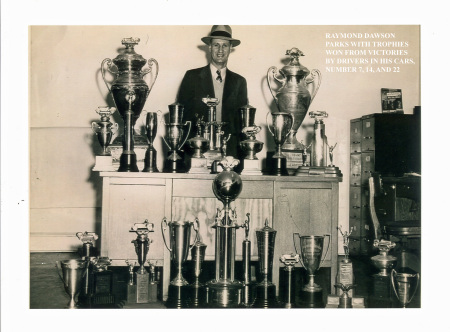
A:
[219,77]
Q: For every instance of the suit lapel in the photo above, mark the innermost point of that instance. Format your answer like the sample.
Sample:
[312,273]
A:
[207,87]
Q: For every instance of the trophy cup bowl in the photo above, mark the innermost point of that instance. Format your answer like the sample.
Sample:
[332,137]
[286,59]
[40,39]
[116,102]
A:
[281,123]
[174,138]
[73,272]
[402,282]
[199,145]
[247,116]
[311,248]
[179,236]
[384,262]
[251,147]
[176,111]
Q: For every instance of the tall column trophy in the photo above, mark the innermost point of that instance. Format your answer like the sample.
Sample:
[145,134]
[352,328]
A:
[142,245]
[289,261]
[175,130]
[151,126]
[179,235]
[250,145]
[224,291]
[248,297]
[198,291]
[402,284]
[311,248]
[129,91]
[281,124]
[266,290]
[198,144]
[104,130]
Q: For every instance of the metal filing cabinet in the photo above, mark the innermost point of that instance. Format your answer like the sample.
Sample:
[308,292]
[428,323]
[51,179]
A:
[384,143]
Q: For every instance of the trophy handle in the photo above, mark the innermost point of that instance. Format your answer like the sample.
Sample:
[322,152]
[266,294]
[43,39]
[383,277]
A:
[188,132]
[166,141]
[94,127]
[60,276]
[197,235]
[163,228]
[272,70]
[161,116]
[267,122]
[392,281]
[149,69]
[314,80]
[115,126]
[108,62]
[328,247]
[295,247]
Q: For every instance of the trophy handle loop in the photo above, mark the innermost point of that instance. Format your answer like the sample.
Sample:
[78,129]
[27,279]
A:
[94,127]
[328,247]
[160,114]
[60,276]
[293,121]
[115,126]
[166,141]
[163,228]
[188,132]
[108,62]
[272,70]
[150,64]
[417,286]
[315,80]
[267,122]
[197,235]
[392,281]
[295,247]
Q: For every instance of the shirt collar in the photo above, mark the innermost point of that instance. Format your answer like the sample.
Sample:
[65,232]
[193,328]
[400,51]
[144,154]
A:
[223,71]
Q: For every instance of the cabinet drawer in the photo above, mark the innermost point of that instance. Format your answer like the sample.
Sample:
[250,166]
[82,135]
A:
[355,135]
[355,169]
[368,135]
[367,166]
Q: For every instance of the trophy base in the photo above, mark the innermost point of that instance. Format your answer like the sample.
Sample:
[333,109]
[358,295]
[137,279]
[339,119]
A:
[103,164]
[334,301]
[211,156]
[266,296]
[222,294]
[251,167]
[174,166]
[150,161]
[345,276]
[277,166]
[248,295]
[178,297]
[326,171]
[128,163]
[311,299]
[142,281]
[197,295]
[199,166]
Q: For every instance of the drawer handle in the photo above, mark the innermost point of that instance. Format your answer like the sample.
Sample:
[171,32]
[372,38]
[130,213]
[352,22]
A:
[356,207]
[356,142]
[356,174]
[368,137]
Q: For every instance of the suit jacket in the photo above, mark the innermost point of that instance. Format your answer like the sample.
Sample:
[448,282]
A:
[198,84]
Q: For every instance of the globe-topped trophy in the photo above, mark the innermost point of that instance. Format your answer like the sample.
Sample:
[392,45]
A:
[104,130]
[129,91]
[281,124]
[151,127]
[250,146]
[179,246]
[311,249]
[73,272]
[405,285]
[298,88]
[224,291]
[175,131]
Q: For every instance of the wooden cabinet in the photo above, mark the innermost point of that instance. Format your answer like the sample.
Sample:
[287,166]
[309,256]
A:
[384,143]
[305,205]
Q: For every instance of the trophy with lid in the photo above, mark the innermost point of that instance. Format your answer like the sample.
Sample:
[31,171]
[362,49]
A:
[224,291]
[199,145]
[175,130]
[250,145]
[104,130]
[129,91]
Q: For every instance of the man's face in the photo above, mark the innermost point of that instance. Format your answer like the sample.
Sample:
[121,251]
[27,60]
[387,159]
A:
[220,50]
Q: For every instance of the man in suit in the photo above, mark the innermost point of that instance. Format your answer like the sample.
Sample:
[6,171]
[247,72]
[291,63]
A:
[216,80]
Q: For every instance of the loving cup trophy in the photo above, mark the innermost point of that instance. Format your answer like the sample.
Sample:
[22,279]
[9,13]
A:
[405,286]
[129,91]
[281,124]
[104,130]
[73,272]
[198,145]
[311,249]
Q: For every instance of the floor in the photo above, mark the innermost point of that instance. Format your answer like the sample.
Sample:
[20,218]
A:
[47,289]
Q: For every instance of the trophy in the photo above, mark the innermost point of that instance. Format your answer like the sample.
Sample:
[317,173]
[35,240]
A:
[73,272]
[250,146]
[246,263]
[345,266]
[402,283]
[311,248]
[141,246]
[104,129]
[131,285]
[266,290]
[88,239]
[383,261]
[175,130]
[299,87]
[345,300]
[199,145]
[282,125]
[151,126]
[224,291]
[153,283]
[129,91]
[289,262]
[198,292]
[179,236]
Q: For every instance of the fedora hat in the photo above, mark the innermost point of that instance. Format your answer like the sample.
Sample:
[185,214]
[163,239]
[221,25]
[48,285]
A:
[221,32]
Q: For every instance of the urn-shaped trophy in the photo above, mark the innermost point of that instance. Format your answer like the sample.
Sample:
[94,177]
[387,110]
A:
[298,88]
[198,145]
[249,145]
[104,130]
[129,91]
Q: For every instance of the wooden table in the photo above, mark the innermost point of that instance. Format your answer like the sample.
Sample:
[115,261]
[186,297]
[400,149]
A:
[305,205]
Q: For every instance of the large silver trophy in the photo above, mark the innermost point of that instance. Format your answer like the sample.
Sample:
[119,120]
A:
[129,91]
[175,131]
[311,250]
[104,130]
[405,286]
[281,124]
[299,87]
[73,272]
[179,246]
